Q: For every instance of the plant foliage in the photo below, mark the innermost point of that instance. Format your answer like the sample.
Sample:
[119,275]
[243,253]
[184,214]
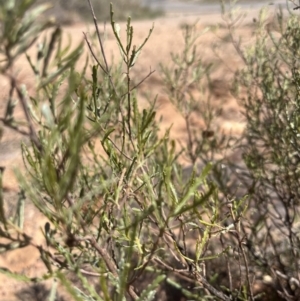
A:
[124,219]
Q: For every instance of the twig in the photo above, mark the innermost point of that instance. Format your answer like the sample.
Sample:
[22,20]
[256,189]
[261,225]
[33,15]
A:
[94,55]
[93,274]
[111,265]
[112,142]
[297,5]
[228,265]
[106,69]
[200,279]
[32,133]
[159,261]
[210,288]
[13,127]
[98,35]
[236,220]
[137,85]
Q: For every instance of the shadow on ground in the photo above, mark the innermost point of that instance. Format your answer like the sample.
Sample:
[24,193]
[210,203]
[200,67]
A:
[36,292]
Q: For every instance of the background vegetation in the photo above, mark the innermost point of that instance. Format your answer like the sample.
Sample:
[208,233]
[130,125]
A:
[125,220]
[68,11]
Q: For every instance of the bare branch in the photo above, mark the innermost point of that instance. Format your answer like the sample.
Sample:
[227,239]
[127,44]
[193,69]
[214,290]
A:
[99,36]
[32,132]
[94,55]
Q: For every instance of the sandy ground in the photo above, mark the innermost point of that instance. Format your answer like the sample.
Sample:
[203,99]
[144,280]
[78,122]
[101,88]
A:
[166,38]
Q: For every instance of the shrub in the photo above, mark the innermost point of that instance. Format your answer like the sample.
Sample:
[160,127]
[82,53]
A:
[267,87]
[268,176]
[125,220]
[99,173]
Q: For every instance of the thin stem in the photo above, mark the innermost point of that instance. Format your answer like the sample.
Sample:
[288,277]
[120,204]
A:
[240,243]
[98,35]
[111,265]
[138,84]
[32,133]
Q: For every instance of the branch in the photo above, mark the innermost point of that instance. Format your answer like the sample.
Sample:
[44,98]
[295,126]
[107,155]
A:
[32,133]
[137,85]
[14,127]
[94,55]
[200,279]
[98,35]
[111,265]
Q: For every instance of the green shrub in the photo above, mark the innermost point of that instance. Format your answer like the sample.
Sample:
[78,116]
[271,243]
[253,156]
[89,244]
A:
[113,210]
[267,174]
[125,220]
[267,87]
[272,149]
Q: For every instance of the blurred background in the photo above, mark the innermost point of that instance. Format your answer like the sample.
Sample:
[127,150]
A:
[67,12]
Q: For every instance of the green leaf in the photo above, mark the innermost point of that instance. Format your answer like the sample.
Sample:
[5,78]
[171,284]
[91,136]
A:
[191,191]
[15,276]
[69,286]
[149,292]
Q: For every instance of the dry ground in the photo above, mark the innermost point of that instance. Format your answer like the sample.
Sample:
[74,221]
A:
[167,37]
